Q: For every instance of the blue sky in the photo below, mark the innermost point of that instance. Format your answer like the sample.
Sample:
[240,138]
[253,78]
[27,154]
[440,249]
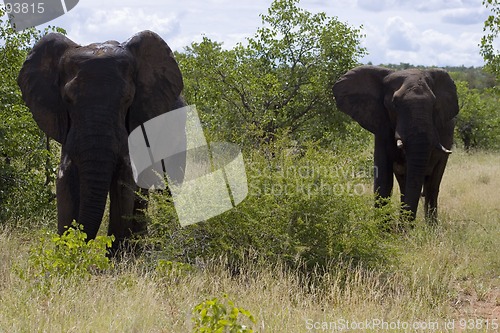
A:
[430,32]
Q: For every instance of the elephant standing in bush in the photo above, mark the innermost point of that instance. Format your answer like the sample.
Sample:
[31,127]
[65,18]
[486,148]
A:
[412,114]
[89,98]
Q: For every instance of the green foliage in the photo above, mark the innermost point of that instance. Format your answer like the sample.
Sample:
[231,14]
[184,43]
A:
[215,316]
[478,122]
[67,256]
[172,269]
[306,206]
[492,30]
[281,79]
[26,166]
[476,77]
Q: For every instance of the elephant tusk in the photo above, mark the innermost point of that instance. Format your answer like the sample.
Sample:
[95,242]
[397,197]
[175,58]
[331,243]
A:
[399,143]
[443,149]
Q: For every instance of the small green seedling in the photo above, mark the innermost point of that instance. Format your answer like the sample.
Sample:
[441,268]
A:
[214,316]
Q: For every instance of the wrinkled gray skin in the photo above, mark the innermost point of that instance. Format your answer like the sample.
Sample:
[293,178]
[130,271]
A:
[89,98]
[411,113]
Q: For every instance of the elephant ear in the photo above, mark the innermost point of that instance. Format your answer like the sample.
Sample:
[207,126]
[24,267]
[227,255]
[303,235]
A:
[158,81]
[446,105]
[39,83]
[360,94]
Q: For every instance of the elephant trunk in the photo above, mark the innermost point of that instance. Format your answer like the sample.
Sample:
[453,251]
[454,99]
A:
[417,157]
[96,165]
[95,181]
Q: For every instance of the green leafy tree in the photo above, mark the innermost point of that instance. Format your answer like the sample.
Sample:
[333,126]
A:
[476,77]
[26,166]
[478,122]
[281,79]
[492,30]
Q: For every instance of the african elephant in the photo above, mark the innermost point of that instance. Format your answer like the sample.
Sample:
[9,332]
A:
[90,98]
[412,114]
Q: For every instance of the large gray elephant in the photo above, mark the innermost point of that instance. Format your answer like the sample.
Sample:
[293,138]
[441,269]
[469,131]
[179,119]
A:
[412,114]
[89,98]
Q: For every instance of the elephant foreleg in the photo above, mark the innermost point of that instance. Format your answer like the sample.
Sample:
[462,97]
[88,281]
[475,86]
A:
[126,208]
[121,196]
[383,171]
[430,206]
[68,194]
[431,191]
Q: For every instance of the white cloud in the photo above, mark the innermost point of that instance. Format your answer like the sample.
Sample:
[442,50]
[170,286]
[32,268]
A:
[119,24]
[401,35]
[431,32]
[437,5]
[465,16]
[446,48]
[374,5]
[448,51]
[405,42]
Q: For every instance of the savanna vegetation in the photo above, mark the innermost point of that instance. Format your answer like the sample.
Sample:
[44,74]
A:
[305,249]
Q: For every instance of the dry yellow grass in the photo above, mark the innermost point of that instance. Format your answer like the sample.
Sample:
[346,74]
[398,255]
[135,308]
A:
[471,186]
[448,273]
[470,198]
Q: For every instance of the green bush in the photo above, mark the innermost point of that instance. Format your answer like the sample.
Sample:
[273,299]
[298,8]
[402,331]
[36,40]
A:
[305,206]
[67,256]
[172,270]
[478,122]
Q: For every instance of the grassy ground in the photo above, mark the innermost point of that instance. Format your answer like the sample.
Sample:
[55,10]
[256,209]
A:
[445,277]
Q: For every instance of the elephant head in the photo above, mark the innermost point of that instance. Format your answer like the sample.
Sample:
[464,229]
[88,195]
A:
[89,98]
[411,113]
